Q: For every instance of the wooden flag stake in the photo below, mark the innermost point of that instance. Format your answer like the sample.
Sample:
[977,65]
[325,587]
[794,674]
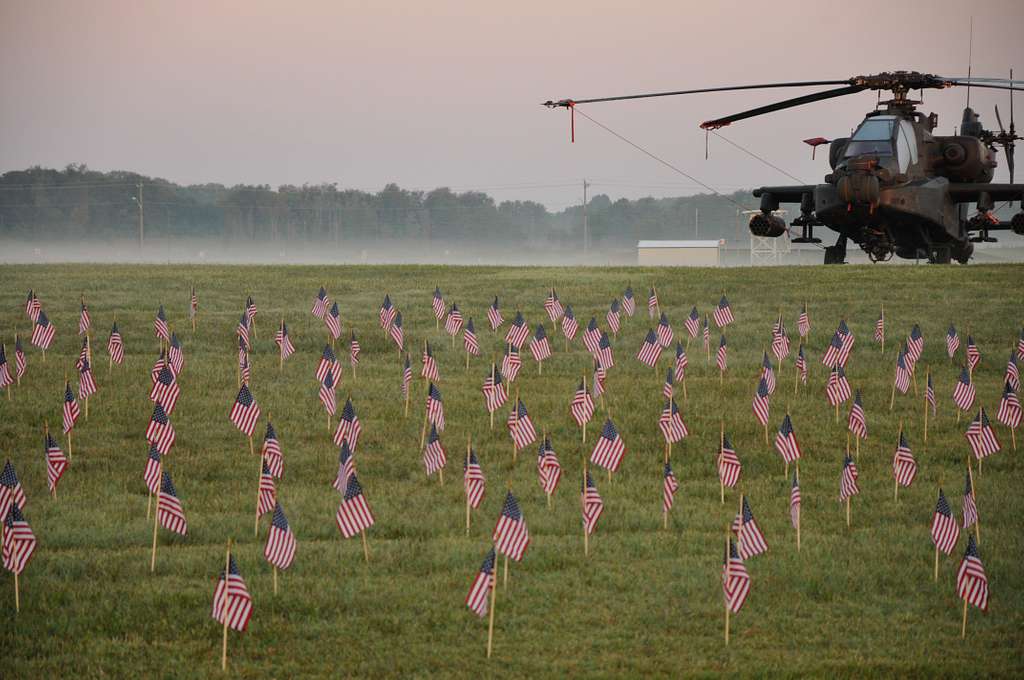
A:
[974,490]
[728,576]
[17,595]
[366,549]
[494,597]
[259,480]
[847,511]
[223,611]
[664,512]
[963,626]
[586,536]
[721,449]
[928,374]
[799,510]
[156,515]
[275,580]
[280,362]
[585,393]
[895,480]
[883,328]
[408,389]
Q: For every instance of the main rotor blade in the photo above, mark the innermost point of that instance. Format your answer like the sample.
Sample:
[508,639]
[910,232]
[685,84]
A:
[986,85]
[785,104]
[975,80]
[763,86]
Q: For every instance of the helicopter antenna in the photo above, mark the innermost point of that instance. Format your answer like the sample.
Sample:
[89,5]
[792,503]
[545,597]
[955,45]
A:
[970,59]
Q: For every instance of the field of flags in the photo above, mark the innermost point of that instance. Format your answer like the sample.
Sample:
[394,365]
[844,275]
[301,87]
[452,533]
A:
[508,454]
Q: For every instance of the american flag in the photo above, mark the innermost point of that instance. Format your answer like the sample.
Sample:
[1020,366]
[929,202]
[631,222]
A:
[751,540]
[952,341]
[604,352]
[729,466]
[438,304]
[84,322]
[801,364]
[284,341]
[681,362]
[970,506]
[86,383]
[333,321]
[981,437]
[780,341]
[785,441]
[929,392]
[56,462]
[570,326]
[510,536]
[231,599]
[242,330]
[652,302]
[165,390]
[610,449]
[406,376]
[915,343]
[482,586]
[494,315]
[540,348]
[723,313]
[549,470]
[629,302]
[243,365]
[848,479]
[613,316]
[692,323]
[83,355]
[346,467]
[553,306]
[18,541]
[11,493]
[250,308]
[1009,413]
[511,363]
[963,392]
[280,548]
[902,379]
[945,530]
[831,356]
[168,508]
[151,475]
[667,388]
[600,375]
[354,515]
[453,322]
[245,411]
[838,388]
[722,356]
[671,423]
[760,402]
[665,334]
[768,373]
[435,407]
[795,501]
[592,336]
[880,328]
[650,350]
[328,364]
[735,579]
[32,306]
[846,335]
[973,355]
[582,406]
[434,458]
[19,357]
[267,496]
[707,335]
[971,581]
[473,481]
[397,335]
[469,341]
[668,489]
[592,503]
[327,394]
[429,370]
[803,322]
[520,427]
[193,304]
[6,378]
[175,357]
[494,390]
[1020,345]
[42,332]
[858,422]
[1013,371]
[904,467]
[160,431]
[387,313]
[158,366]
[71,411]
[160,325]
[349,427]
[517,332]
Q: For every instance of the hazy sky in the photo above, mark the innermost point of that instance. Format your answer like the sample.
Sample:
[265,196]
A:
[447,93]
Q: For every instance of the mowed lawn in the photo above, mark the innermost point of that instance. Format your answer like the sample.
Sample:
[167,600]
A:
[856,601]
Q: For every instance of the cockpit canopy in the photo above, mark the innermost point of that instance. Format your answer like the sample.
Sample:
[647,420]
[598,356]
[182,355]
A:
[880,136]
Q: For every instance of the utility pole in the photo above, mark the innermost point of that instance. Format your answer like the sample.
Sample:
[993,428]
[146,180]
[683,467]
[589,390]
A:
[142,223]
[586,227]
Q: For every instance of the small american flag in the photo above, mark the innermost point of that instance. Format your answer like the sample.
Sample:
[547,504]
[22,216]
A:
[158,366]
[846,335]
[681,363]
[494,317]
[780,342]
[86,382]
[429,370]
[193,304]
[668,387]
[540,347]
[838,388]
[280,548]
[592,503]
[327,394]
[592,336]
[284,341]
[387,313]
[650,350]
[952,341]
[469,340]
[1013,371]
[267,496]
[570,326]
[42,332]
[665,333]
[510,536]
[520,426]
[245,411]
[981,437]
[511,363]
[160,431]
[1009,413]
[652,302]
[794,501]
[729,466]
[929,392]
[482,586]
[473,481]
[349,427]
[160,325]
[785,441]
[250,309]
[629,302]
[165,390]
[83,355]
[669,488]
[963,392]
[671,423]
[517,332]
[553,306]
[19,357]
[904,467]
[803,322]
[434,458]
[970,506]
[6,379]
[902,378]
[11,493]
[600,375]
[333,321]
[56,462]
[835,346]
[151,475]
[231,599]
[723,313]
[175,357]
[354,515]
[353,350]
[406,376]
[945,530]
[328,364]
[604,352]
[346,467]
[18,541]
[735,579]
[396,332]
[84,322]
[973,355]
[168,508]
[242,329]
[880,328]
[32,305]
[582,406]
[858,422]
[494,390]
[612,317]
[438,304]
[722,356]
[760,403]
[320,304]
[243,365]
[848,479]
[801,364]
[435,407]
[971,581]
[751,540]
[610,449]
[453,322]
[549,470]
[692,323]
[768,373]
[915,343]
[70,411]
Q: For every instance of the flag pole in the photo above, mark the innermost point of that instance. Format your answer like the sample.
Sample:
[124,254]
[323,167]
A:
[223,611]
[494,597]
[895,480]
[847,511]
[366,549]
[583,496]
[883,328]
[156,515]
[892,396]
[928,375]
[799,509]
[664,511]
[721,450]
[275,579]
[963,626]
[259,480]
[974,490]
[408,389]
[469,446]
[584,394]
[17,595]
[280,363]
[728,576]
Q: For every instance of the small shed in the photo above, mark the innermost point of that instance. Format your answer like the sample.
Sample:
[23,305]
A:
[679,253]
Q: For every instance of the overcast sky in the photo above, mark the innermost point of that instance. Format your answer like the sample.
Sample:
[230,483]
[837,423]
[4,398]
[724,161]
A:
[441,93]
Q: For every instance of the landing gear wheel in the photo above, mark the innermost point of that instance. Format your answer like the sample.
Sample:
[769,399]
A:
[836,254]
[962,252]
[939,255]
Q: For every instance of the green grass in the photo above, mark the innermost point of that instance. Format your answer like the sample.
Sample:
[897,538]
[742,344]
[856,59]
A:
[853,602]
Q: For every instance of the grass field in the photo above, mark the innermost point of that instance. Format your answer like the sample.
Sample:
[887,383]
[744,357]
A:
[854,602]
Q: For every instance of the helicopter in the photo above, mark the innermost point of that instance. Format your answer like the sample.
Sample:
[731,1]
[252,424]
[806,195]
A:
[895,186]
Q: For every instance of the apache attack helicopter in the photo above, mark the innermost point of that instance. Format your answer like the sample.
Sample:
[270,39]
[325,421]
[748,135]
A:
[896,187]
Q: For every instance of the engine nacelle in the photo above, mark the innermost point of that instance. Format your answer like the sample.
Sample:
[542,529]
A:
[767,225]
[1017,224]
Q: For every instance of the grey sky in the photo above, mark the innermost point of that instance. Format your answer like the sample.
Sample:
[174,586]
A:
[447,93]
